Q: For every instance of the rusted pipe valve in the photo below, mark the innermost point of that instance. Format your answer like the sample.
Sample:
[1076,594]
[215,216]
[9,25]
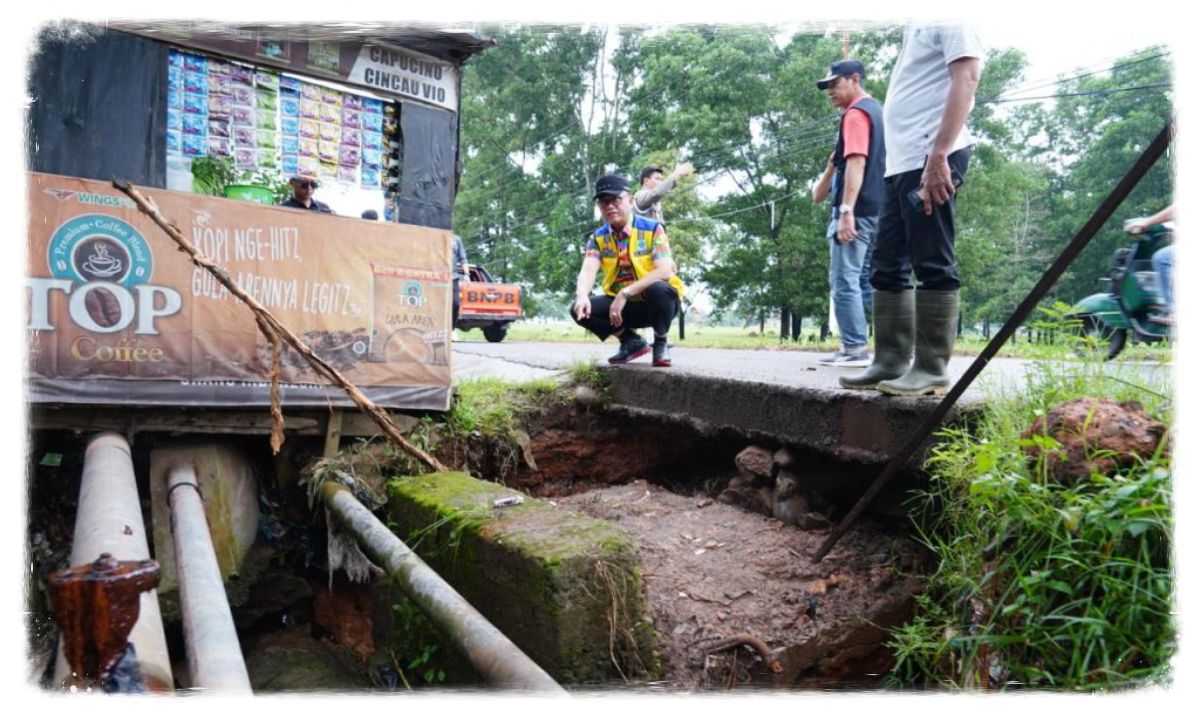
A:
[96,605]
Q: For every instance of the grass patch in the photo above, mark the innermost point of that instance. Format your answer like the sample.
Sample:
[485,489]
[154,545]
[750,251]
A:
[494,407]
[1040,585]
[588,374]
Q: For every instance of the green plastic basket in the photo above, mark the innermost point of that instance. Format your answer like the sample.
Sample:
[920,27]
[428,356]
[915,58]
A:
[251,193]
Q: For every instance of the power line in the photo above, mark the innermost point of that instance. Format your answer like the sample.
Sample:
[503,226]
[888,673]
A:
[1089,93]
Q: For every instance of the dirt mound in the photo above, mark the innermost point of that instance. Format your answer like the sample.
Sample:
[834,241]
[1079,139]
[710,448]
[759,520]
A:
[718,575]
[1096,435]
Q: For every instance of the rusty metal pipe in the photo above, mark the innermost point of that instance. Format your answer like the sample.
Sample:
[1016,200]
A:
[214,655]
[491,653]
[109,521]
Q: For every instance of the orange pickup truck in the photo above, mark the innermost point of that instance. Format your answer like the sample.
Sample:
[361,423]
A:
[487,304]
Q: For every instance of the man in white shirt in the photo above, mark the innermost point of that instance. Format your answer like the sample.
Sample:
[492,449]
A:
[932,90]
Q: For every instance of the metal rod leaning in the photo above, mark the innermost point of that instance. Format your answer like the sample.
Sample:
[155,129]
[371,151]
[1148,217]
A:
[491,653]
[1143,164]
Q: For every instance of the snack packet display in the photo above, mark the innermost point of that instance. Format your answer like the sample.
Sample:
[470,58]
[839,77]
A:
[348,156]
[195,63]
[242,116]
[243,95]
[195,124]
[267,139]
[220,127]
[195,83]
[266,81]
[370,177]
[195,104]
[309,166]
[328,152]
[243,136]
[240,74]
[219,146]
[195,145]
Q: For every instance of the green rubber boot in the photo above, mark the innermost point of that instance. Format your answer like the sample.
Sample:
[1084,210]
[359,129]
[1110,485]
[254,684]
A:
[893,320]
[937,326]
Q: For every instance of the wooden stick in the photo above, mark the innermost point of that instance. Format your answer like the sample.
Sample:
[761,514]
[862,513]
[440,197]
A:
[267,320]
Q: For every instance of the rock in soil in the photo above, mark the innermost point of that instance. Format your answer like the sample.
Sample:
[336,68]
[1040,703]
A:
[1097,435]
[755,460]
[715,572]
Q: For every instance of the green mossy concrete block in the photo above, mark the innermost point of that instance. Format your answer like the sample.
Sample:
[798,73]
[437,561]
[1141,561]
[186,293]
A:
[565,587]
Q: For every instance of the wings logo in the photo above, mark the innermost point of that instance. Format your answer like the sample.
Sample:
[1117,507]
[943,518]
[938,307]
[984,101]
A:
[60,194]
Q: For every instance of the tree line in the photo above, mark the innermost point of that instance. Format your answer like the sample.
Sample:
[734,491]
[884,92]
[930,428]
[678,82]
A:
[549,109]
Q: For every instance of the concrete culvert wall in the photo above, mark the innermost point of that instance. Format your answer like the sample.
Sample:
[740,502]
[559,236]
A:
[566,588]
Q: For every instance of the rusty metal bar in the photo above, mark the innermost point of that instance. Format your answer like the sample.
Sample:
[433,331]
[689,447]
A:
[491,653]
[213,653]
[109,521]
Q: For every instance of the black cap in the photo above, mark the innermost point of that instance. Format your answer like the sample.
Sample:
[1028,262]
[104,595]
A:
[610,185]
[302,178]
[845,68]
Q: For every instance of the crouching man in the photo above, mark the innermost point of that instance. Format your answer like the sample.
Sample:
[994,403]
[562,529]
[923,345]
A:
[639,285]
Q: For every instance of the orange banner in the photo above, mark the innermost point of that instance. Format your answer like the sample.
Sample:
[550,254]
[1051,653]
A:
[117,314]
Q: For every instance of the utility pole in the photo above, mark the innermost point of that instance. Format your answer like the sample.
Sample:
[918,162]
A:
[845,43]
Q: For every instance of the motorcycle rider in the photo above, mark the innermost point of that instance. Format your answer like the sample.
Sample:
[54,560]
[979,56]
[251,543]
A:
[1163,260]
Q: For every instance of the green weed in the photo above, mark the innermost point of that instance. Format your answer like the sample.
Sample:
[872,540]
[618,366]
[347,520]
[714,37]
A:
[1039,584]
[494,407]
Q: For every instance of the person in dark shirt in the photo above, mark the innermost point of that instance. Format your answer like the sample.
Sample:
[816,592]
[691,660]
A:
[302,196]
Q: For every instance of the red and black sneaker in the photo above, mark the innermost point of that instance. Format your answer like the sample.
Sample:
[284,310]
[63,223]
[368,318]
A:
[662,352]
[632,347]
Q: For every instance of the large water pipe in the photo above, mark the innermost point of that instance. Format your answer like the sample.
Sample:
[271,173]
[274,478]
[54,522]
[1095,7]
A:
[214,655]
[492,654]
[109,520]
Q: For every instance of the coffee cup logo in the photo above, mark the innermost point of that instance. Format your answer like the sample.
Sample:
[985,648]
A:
[100,258]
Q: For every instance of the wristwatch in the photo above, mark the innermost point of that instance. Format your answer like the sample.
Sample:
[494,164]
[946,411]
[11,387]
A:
[846,208]
[625,291]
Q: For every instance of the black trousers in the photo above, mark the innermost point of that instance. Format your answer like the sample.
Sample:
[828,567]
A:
[910,242]
[655,307]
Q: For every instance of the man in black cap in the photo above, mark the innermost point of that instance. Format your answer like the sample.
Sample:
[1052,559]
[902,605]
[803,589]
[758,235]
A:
[640,288]
[854,178]
[302,196]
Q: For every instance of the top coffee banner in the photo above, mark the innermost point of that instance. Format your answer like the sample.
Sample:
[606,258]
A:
[117,314]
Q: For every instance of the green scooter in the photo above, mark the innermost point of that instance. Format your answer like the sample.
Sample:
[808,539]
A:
[1132,306]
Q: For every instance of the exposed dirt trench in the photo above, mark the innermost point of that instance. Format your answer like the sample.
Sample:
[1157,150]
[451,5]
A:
[715,563]
[716,567]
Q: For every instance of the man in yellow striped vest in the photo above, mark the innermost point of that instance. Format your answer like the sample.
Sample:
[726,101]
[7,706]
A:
[640,288]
